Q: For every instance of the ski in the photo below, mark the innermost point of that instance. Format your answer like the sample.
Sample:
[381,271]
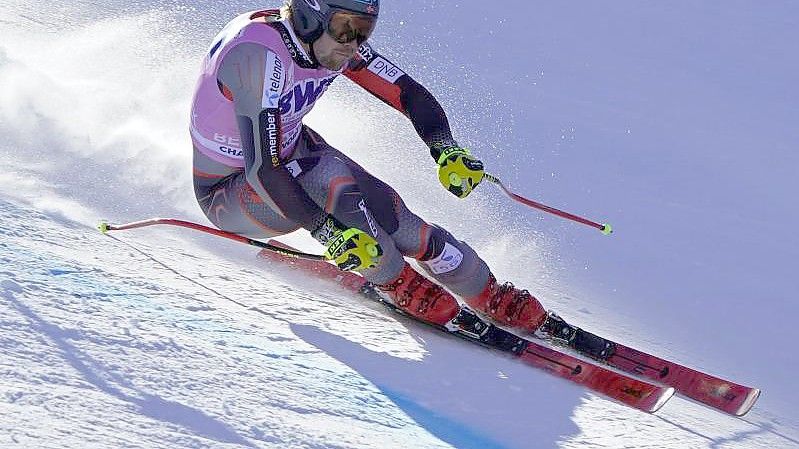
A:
[709,390]
[634,392]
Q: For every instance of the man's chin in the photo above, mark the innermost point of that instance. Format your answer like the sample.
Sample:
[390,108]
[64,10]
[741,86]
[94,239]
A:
[335,63]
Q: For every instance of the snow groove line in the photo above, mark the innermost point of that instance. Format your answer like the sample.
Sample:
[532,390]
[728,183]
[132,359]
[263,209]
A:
[770,428]
[118,386]
[199,284]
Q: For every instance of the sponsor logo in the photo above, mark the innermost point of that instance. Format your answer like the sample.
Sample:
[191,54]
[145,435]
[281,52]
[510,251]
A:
[303,95]
[366,52]
[220,144]
[313,4]
[326,232]
[452,151]
[337,245]
[294,168]
[233,141]
[273,80]
[293,51]
[473,164]
[369,220]
[272,137]
[385,69]
[229,151]
[230,146]
[449,259]
[638,393]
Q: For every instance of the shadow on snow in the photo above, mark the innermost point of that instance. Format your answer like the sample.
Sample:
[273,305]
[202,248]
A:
[467,396]
[193,420]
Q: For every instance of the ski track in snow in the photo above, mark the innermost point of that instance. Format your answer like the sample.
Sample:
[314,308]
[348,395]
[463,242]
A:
[105,344]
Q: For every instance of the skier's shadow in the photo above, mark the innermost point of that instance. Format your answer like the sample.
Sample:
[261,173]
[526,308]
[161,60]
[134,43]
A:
[465,395]
[113,384]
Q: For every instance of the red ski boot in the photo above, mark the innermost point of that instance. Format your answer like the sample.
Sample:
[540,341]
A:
[421,297]
[509,306]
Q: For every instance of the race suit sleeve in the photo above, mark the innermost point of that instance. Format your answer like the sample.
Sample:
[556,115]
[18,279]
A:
[390,84]
[242,74]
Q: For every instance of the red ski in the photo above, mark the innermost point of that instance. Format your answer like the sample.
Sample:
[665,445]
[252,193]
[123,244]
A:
[621,387]
[712,391]
[636,393]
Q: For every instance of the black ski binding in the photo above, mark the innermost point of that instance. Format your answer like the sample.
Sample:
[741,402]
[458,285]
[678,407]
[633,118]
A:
[583,342]
[468,324]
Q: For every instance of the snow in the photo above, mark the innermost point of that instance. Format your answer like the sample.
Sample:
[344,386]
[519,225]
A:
[677,125]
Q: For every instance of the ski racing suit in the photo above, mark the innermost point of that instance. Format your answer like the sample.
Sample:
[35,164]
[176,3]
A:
[260,172]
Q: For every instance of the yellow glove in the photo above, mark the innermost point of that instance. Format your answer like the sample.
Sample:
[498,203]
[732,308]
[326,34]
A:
[353,250]
[349,248]
[459,171]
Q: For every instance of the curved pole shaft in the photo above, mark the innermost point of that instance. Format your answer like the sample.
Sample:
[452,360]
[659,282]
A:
[105,227]
[604,227]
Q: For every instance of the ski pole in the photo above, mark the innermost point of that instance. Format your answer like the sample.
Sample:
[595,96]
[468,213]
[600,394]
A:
[604,227]
[104,227]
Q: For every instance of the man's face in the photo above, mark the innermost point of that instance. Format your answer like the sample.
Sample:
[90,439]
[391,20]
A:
[344,33]
[333,55]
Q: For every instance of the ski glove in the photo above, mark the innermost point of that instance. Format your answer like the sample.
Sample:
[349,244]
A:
[349,248]
[459,171]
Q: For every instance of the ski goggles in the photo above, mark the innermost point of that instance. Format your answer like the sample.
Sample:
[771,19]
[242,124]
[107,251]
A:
[345,27]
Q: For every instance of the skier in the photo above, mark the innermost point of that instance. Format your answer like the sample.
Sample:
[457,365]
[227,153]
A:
[259,171]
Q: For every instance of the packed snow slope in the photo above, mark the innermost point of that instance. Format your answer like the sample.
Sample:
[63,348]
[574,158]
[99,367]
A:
[676,123]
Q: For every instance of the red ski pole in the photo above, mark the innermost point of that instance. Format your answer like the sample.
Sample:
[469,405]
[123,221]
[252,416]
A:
[105,227]
[604,227]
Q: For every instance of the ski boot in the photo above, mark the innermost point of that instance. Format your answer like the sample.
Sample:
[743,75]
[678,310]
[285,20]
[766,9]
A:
[509,306]
[586,343]
[420,297]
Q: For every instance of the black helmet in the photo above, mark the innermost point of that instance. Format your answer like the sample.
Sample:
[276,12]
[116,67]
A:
[311,17]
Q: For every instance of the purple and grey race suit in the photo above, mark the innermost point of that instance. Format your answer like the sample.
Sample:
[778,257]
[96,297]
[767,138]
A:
[260,172]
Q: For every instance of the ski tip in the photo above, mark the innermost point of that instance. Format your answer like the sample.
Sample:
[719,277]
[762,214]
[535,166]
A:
[664,397]
[749,402]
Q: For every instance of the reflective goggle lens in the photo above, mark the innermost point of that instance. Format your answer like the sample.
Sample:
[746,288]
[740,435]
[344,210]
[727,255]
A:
[347,27]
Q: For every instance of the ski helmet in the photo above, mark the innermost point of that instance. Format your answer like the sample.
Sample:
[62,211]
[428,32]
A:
[311,17]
